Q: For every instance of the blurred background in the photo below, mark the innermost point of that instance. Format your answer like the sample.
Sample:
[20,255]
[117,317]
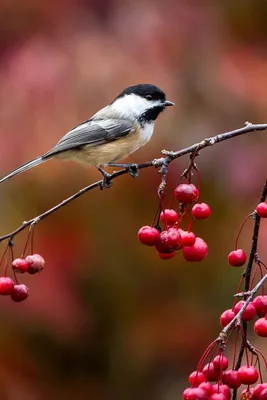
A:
[107,319]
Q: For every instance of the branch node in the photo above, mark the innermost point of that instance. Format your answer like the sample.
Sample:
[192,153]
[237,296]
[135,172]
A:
[157,162]
[35,221]
[170,154]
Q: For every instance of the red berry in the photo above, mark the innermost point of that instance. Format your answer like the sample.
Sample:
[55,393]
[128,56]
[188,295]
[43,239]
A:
[186,193]
[188,238]
[20,265]
[260,303]
[248,375]
[6,285]
[246,394]
[197,394]
[169,240]
[258,389]
[248,314]
[201,211]
[20,293]
[210,372]
[260,327]
[196,378]
[263,395]
[218,396]
[36,263]
[166,256]
[186,392]
[262,209]
[148,235]
[226,317]
[219,388]
[220,362]
[197,252]
[169,216]
[207,386]
[237,258]
[231,379]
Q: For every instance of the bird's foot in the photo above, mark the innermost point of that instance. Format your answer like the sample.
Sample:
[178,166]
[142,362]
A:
[106,182]
[131,168]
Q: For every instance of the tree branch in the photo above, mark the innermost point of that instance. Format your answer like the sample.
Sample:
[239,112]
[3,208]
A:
[157,163]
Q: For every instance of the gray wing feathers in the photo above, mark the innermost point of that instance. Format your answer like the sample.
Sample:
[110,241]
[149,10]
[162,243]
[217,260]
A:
[88,133]
[92,133]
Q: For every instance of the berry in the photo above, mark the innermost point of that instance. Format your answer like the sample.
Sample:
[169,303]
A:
[201,211]
[248,314]
[210,372]
[196,378]
[258,389]
[237,258]
[263,395]
[224,389]
[169,216]
[262,209]
[188,238]
[186,193]
[20,293]
[231,379]
[186,392]
[166,256]
[169,240]
[226,317]
[36,263]
[248,375]
[220,362]
[218,396]
[197,394]
[148,235]
[207,386]
[6,285]
[260,327]
[197,252]
[20,265]
[247,394]
[260,303]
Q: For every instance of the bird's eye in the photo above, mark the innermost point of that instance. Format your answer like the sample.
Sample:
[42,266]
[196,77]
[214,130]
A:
[148,97]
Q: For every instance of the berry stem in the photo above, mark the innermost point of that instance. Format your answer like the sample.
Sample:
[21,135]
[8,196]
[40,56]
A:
[205,354]
[240,230]
[235,349]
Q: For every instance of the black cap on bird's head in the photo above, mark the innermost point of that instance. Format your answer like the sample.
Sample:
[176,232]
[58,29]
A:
[147,91]
[152,101]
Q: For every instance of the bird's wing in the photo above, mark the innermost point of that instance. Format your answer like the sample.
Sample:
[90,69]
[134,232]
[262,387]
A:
[92,133]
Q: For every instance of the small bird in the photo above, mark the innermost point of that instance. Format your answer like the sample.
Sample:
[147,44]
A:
[111,134]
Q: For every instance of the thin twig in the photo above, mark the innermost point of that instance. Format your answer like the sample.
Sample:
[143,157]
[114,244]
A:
[159,162]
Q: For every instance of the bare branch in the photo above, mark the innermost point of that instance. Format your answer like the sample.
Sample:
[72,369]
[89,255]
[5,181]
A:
[157,163]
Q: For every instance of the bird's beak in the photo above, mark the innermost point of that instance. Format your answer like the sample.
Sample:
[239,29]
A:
[168,103]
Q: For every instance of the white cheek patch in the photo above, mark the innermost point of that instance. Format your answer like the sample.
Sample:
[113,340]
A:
[132,105]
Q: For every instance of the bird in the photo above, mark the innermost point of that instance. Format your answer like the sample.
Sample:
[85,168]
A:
[111,134]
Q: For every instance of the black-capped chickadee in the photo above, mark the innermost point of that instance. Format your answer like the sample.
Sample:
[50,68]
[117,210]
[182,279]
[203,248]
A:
[111,134]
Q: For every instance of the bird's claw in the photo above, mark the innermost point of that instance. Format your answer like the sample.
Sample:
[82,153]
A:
[106,182]
[133,170]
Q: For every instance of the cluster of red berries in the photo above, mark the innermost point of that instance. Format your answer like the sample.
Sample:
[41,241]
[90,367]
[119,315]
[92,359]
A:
[225,380]
[19,292]
[257,307]
[172,238]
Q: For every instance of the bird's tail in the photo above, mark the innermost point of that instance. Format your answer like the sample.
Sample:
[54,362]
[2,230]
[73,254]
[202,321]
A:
[24,167]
